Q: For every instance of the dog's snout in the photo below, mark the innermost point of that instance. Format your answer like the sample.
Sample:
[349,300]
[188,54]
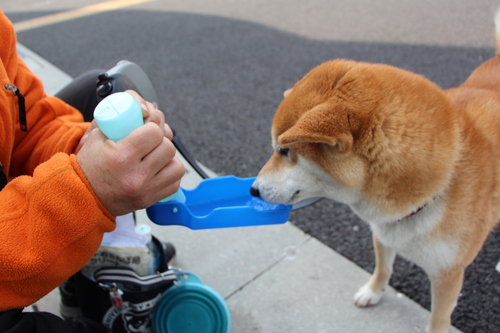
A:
[255,192]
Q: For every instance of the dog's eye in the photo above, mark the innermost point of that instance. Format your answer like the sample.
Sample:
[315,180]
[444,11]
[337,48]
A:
[283,151]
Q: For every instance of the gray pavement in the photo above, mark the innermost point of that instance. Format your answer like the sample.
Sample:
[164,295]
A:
[235,59]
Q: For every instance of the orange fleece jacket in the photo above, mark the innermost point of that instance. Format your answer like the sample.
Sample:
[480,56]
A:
[51,222]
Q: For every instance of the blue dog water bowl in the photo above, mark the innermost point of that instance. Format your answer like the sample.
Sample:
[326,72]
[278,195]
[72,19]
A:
[220,202]
[191,307]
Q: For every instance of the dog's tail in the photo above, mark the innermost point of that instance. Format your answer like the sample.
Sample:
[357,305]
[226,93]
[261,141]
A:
[497,31]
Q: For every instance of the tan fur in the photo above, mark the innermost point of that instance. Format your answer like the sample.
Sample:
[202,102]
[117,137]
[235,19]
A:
[386,142]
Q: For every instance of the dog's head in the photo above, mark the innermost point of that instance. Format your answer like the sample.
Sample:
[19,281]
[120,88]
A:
[360,134]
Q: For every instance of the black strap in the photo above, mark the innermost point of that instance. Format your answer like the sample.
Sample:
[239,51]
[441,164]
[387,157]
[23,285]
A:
[185,153]
[127,275]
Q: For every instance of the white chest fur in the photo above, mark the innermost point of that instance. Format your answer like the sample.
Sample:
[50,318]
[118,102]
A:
[411,238]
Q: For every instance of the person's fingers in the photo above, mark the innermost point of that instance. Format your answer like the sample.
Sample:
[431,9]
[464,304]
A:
[156,158]
[150,113]
[169,134]
[170,174]
[144,139]
[92,126]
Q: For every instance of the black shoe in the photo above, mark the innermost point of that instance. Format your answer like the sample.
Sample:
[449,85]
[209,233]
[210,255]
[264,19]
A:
[85,325]
[69,306]
[169,253]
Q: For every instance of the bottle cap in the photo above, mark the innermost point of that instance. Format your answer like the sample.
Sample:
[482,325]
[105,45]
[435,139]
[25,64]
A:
[143,229]
[117,115]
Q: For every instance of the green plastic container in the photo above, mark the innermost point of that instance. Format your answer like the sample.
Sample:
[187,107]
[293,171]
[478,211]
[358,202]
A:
[191,307]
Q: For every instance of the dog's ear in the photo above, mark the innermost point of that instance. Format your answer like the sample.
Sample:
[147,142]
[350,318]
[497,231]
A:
[287,92]
[321,124]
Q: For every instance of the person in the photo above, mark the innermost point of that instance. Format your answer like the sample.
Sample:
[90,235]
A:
[64,184]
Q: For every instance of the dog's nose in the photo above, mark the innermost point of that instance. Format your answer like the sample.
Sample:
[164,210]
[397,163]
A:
[255,192]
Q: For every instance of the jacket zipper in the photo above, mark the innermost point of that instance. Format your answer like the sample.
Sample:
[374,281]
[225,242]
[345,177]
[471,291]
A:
[20,102]
[3,177]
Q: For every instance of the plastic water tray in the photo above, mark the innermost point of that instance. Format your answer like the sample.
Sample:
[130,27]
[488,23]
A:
[221,202]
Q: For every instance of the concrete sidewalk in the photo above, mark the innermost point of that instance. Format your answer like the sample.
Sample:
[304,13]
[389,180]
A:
[275,279]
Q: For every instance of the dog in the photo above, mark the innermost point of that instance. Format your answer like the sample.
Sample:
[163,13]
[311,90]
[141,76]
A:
[419,164]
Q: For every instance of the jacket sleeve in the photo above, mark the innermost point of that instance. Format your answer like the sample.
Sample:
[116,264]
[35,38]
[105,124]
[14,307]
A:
[51,222]
[51,226]
[53,125]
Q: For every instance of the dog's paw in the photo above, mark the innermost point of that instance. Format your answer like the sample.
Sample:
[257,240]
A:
[367,297]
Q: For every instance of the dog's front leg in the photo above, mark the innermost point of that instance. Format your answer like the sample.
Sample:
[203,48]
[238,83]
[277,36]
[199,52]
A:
[371,293]
[445,290]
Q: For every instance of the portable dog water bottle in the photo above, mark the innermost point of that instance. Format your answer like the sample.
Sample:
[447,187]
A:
[191,307]
[221,202]
[119,114]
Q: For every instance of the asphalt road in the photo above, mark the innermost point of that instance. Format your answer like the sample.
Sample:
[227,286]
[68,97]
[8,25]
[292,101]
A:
[220,69]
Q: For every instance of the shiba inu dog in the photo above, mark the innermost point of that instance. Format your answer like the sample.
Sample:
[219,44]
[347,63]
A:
[420,164]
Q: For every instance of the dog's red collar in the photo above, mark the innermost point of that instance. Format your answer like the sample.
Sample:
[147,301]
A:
[418,210]
[415,212]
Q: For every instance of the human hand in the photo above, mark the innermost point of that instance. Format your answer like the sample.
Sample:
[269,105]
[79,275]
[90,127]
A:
[136,171]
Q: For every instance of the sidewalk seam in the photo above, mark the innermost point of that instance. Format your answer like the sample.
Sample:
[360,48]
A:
[268,268]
